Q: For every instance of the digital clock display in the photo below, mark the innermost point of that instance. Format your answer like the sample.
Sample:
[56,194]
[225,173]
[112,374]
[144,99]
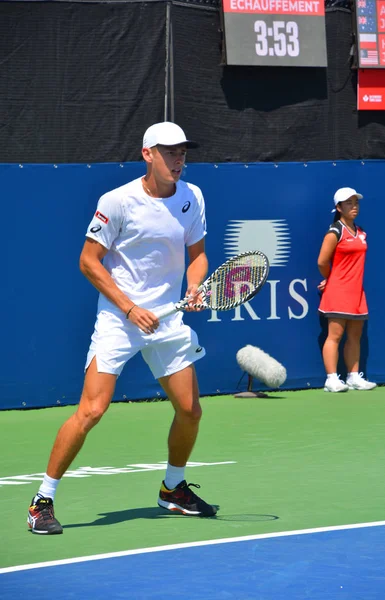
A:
[275,33]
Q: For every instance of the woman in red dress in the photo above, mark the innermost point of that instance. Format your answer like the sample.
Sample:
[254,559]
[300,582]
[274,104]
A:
[341,262]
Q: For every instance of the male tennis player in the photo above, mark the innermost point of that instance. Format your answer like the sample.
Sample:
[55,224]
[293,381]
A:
[134,254]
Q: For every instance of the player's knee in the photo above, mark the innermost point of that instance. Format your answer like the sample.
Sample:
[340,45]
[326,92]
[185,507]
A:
[192,415]
[196,413]
[91,416]
[353,338]
[335,337]
[96,414]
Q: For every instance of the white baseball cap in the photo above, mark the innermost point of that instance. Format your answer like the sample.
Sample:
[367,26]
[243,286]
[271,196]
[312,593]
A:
[344,194]
[166,134]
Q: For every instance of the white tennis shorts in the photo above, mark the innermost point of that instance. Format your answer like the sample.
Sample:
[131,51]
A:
[173,347]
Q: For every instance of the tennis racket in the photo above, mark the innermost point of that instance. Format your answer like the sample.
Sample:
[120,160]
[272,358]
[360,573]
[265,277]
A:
[236,281]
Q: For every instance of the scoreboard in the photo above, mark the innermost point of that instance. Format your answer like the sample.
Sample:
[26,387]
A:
[370,16]
[281,33]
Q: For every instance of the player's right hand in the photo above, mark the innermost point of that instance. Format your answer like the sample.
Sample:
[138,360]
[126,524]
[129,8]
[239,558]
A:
[144,319]
[193,297]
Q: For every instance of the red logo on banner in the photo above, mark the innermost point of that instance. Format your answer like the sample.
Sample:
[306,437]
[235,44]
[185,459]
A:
[371,89]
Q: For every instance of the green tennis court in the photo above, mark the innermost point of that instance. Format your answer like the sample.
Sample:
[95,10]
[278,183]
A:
[298,460]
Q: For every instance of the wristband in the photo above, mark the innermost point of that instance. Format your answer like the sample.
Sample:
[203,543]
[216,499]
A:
[128,314]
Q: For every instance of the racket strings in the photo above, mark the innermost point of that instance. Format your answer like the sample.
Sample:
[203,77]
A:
[235,281]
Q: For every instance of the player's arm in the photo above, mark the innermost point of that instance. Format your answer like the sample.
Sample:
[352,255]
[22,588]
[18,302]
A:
[326,254]
[197,268]
[91,266]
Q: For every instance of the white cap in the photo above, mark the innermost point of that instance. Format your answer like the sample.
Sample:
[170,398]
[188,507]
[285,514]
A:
[166,134]
[344,194]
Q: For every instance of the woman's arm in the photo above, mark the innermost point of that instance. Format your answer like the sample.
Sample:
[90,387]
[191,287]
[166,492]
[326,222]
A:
[326,254]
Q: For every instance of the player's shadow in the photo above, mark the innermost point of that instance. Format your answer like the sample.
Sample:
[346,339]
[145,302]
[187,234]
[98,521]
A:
[120,516]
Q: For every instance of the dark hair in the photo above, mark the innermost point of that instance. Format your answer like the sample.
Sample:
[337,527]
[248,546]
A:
[337,215]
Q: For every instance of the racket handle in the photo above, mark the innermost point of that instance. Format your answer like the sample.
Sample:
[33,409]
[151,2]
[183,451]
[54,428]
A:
[166,312]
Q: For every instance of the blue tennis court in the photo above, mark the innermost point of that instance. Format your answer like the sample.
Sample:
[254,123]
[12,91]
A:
[326,564]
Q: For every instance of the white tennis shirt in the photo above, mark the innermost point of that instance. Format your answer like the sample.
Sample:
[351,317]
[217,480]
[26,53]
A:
[146,239]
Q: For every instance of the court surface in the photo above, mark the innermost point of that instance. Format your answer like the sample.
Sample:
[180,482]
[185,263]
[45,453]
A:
[298,477]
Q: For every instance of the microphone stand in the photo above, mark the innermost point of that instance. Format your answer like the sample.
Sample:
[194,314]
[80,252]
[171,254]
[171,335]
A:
[249,393]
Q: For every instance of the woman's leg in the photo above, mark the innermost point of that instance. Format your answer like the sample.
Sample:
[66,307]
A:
[336,328]
[352,352]
[352,345]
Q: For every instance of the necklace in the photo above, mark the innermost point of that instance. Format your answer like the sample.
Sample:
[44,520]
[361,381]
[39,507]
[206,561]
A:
[146,189]
[152,194]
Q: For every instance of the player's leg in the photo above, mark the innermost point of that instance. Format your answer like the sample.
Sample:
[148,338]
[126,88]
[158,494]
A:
[352,345]
[336,328]
[113,343]
[171,357]
[352,349]
[182,390]
[175,494]
[96,397]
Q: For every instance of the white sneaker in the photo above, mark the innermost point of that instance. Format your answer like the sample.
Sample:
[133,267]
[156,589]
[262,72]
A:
[335,384]
[359,383]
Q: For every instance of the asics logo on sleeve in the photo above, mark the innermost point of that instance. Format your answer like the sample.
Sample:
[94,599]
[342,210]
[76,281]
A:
[95,229]
[186,206]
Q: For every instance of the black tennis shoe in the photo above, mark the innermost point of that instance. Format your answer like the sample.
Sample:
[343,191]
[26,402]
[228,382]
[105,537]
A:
[41,517]
[183,500]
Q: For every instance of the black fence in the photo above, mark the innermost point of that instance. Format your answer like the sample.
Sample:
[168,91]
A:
[81,81]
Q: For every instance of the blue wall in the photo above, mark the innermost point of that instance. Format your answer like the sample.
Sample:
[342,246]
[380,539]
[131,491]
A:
[48,308]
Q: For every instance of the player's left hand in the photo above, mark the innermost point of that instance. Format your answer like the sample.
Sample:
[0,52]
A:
[322,285]
[194,298]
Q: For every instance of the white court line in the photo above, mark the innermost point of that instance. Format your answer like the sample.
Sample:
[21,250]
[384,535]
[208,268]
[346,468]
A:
[246,538]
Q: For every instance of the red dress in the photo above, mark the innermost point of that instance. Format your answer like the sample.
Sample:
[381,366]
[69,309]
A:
[344,296]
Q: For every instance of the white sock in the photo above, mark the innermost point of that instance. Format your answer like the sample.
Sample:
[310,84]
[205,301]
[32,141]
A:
[48,487]
[174,475]
[353,375]
[332,375]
